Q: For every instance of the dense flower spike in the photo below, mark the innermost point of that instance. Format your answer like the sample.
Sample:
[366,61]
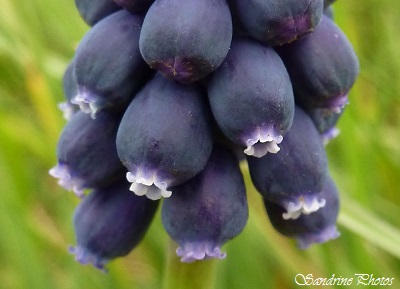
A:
[317,227]
[188,47]
[135,6]
[294,177]
[86,152]
[108,66]
[176,105]
[276,22]
[251,97]
[323,67]
[92,11]
[109,223]
[165,137]
[208,210]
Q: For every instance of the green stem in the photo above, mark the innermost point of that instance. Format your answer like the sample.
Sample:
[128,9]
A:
[196,275]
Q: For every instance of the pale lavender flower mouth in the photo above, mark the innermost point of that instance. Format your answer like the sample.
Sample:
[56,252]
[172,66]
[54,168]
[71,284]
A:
[195,251]
[66,179]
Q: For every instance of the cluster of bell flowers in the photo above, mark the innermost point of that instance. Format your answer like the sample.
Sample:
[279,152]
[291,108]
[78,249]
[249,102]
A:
[162,110]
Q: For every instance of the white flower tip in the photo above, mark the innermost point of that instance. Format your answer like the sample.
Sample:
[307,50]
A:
[84,257]
[303,205]
[62,172]
[68,109]
[263,142]
[86,103]
[196,251]
[329,135]
[148,186]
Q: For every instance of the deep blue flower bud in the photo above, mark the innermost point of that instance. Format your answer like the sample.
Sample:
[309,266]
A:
[135,6]
[317,227]
[294,177]
[86,152]
[109,223]
[251,97]
[208,210]
[108,65]
[93,11]
[165,136]
[276,22]
[70,89]
[323,67]
[186,40]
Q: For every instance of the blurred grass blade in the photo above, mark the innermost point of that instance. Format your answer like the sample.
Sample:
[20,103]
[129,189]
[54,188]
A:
[369,226]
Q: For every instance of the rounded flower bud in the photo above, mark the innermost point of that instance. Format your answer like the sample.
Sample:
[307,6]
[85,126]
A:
[108,65]
[294,177]
[323,67]
[165,137]
[317,227]
[208,210]
[109,223]
[86,152]
[251,97]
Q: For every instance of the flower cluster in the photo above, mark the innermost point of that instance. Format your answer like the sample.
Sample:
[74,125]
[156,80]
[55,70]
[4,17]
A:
[165,99]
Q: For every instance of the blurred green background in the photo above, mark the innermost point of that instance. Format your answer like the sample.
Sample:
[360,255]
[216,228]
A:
[37,40]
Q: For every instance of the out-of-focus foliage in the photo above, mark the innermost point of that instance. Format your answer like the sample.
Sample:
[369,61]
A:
[38,38]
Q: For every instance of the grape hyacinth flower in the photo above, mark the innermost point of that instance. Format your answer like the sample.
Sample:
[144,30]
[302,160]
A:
[275,22]
[251,97]
[165,137]
[109,223]
[108,65]
[208,210]
[294,177]
[186,48]
[322,66]
[317,227]
[86,152]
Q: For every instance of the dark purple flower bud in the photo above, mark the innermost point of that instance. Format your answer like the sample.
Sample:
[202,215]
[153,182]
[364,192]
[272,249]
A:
[251,97]
[186,39]
[317,227]
[276,22]
[86,152]
[323,67]
[135,6]
[109,223]
[108,65]
[208,210]
[70,89]
[93,11]
[165,137]
[294,177]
